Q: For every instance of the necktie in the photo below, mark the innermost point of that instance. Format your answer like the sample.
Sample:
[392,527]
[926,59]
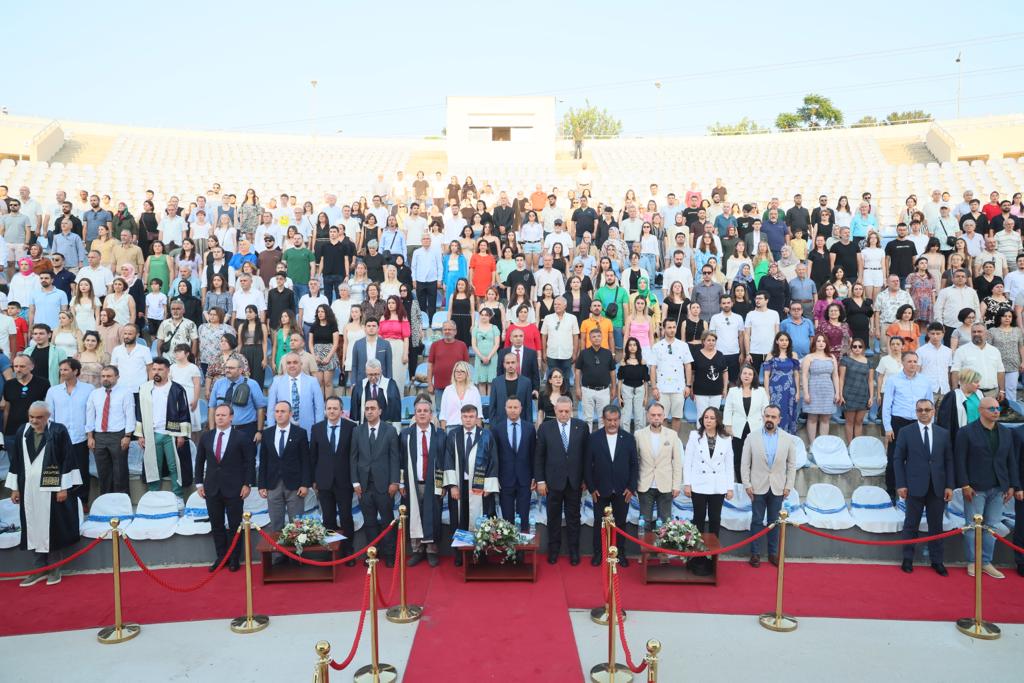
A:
[469,442]
[106,413]
[519,361]
[280,445]
[220,442]
[927,442]
[295,398]
[515,437]
[373,393]
[565,438]
[334,438]
[373,436]
[423,445]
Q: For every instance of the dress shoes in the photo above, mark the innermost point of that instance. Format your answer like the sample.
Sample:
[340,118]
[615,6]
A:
[458,558]
[574,559]
[432,559]
[940,569]
[755,561]
[552,558]
[595,561]
[216,563]
[907,566]
[233,565]
[992,571]
[774,559]
[414,559]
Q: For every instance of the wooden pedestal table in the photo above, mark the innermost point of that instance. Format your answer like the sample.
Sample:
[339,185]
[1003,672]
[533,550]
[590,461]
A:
[292,570]
[494,570]
[676,571]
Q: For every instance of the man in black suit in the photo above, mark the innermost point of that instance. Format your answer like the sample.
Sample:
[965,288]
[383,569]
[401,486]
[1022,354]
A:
[421,481]
[923,465]
[558,467]
[330,450]
[611,467]
[285,474]
[225,469]
[526,358]
[385,390]
[512,383]
[470,473]
[375,454]
[515,463]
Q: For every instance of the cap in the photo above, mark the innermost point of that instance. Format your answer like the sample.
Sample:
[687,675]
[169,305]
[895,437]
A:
[558,221]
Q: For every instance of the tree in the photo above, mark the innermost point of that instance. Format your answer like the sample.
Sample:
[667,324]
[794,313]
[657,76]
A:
[787,121]
[741,127]
[914,116]
[590,122]
[866,122]
[818,111]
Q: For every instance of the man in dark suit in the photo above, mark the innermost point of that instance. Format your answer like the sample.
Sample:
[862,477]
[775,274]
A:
[515,463]
[225,469]
[611,467]
[526,358]
[512,383]
[330,449]
[470,473]
[375,455]
[368,348]
[421,481]
[923,464]
[386,390]
[558,467]
[285,474]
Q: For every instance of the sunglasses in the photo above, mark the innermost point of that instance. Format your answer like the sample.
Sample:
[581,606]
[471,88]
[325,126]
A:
[992,409]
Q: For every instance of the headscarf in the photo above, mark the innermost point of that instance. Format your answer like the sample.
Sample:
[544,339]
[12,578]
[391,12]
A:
[131,277]
[24,260]
[643,290]
[790,261]
[193,307]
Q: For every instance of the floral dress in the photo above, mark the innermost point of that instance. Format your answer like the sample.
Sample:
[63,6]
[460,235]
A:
[922,291]
[838,337]
[782,389]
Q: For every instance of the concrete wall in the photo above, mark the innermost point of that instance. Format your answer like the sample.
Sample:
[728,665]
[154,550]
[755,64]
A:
[991,138]
[532,123]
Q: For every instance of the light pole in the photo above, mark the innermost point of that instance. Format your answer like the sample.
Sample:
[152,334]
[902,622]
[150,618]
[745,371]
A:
[312,112]
[657,86]
[959,78]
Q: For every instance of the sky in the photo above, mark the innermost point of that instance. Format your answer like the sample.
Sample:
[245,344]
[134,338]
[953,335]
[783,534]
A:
[385,68]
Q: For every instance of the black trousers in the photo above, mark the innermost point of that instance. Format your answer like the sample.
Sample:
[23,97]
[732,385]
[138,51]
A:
[757,360]
[619,510]
[932,504]
[898,423]
[336,508]
[709,504]
[569,500]
[426,295]
[378,511]
[80,452]
[217,505]
[515,500]
[111,462]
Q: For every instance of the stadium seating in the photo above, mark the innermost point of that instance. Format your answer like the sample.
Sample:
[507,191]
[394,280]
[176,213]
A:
[868,455]
[873,511]
[830,454]
[105,508]
[825,507]
[156,517]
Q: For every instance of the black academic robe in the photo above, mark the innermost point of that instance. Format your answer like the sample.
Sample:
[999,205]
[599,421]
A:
[429,505]
[58,462]
[484,477]
[178,413]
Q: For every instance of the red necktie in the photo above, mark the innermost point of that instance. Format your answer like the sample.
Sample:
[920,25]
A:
[519,361]
[106,413]
[423,441]
[217,449]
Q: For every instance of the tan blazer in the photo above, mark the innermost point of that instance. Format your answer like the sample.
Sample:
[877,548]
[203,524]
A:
[664,467]
[754,472]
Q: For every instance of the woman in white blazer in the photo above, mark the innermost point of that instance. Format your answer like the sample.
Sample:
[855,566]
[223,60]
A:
[744,404]
[708,470]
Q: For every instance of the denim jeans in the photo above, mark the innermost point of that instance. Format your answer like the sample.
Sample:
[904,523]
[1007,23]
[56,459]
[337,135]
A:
[649,262]
[772,504]
[988,504]
[299,291]
[633,409]
[331,283]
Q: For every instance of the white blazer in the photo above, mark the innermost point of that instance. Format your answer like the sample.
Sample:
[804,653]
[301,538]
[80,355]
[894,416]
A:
[733,415]
[706,472]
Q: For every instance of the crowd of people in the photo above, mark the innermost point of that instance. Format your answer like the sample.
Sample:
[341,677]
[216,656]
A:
[559,316]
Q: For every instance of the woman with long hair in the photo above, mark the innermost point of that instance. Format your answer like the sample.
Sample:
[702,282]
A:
[467,242]
[226,234]
[188,256]
[708,470]
[638,323]
[826,297]
[252,333]
[737,260]
[85,305]
[492,301]
[92,357]
[531,234]
[545,305]
[762,259]
[217,296]
[518,298]
[860,314]
[396,330]
[839,281]
[905,328]
[843,214]
[324,341]
[871,260]
[577,301]
[551,391]
[453,268]
[482,268]
[531,334]
[159,266]
[461,392]
[353,332]
[461,304]
[835,329]
[995,304]
[67,336]
[782,378]
[820,261]
[416,327]
[121,302]
[820,379]
[375,306]
[227,351]
[856,388]
[634,381]
[1007,337]
[694,327]
[674,307]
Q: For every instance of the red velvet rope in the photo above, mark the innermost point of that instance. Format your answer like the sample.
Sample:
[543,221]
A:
[696,553]
[394,579]
[180,589]
[325,563]
[1005,542]
[55,565]
[857,541]
[622,630]
[604,565]
[338,666]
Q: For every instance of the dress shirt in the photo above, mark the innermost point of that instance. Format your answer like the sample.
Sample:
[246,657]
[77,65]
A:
[931,434]
[518,435]
[561,332]
[612,440]
[471,437]
[392,242]
[951,301]
[278,433]
[935,363]
[986,360]
[901,396]
[802,289]
[132,365]
[421,455]
[550,277]
[70,410]
[223,445]
[100,277]
[71,247]
[122,410]
[771,445]
[426,265]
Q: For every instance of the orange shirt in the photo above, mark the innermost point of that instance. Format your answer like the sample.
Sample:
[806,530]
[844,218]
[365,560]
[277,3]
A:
[538,200]
[603,324]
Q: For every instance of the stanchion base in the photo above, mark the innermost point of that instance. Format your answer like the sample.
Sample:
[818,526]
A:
[781,623]
[599,615]
[397,615]
[111,635]
[983,630]
[385,674]
[246,625]
[601,674]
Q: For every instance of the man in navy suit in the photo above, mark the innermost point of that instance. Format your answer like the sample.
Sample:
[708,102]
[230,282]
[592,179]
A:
[377,385]
[330,448]
[558,468]
[369,347]
[923,466]
[225,469]
[611,467]
[510,384]
[516,441]
[285,474]
[526,358]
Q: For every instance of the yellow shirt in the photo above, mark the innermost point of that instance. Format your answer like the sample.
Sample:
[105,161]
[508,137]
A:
[799,247]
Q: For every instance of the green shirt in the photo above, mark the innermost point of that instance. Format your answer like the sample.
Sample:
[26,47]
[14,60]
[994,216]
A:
[971,404]
[299,261]
[619,296]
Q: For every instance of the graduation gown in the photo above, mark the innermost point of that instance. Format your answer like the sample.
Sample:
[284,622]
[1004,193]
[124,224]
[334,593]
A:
[425,510]
[179,423]
[475,473]
[46,525]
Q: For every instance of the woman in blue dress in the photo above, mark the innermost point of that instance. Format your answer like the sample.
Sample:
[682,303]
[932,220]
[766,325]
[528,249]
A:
[782,377]
[454,268]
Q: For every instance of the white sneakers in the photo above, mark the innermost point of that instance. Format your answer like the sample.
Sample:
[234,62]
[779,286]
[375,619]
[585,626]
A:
[53,577]
[33,579]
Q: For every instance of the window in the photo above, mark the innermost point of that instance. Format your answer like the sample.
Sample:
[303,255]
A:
[501,134]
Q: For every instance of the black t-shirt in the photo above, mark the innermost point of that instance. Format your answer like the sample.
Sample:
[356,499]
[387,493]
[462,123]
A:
[901,255]
[690,216]
[20,397]
[333,256]
[744,226]
[584,220]
[323,334]
[707,373]
[595,367]
[516,276]
[374,266]
[846,256]
[41,359]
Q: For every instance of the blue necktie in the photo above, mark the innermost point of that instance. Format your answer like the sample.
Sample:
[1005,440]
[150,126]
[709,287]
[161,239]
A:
[565,439]
[280,445]
[515,437]
[295,398]
[334,438]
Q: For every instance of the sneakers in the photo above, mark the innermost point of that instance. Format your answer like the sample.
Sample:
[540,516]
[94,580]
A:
[993,572]
[970,570]
[53,578]
[181,504]
[33,580]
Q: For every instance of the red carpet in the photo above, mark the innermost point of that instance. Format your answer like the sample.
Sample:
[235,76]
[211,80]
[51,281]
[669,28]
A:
[518,630]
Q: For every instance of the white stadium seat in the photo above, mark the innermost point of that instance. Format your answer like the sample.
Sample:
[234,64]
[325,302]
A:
[156,517]
[825,507]
[830,454]
[873,511]
[105,508]
[195,519]
[868,455]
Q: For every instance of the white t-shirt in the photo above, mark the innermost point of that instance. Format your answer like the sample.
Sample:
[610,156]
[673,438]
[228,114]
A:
[728,328]
[100,277]
[308,305]
[762,326]
[7,328]
[131,366]
[156,305]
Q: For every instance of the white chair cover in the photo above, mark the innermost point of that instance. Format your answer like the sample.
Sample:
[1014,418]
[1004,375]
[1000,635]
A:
[257,507]
[873,511]
[104,509]
[10,524]
[156,517]
[135,460]
[825,507]
[311,509]
[587,511]
[736,513]
[682,508]
[357,513]
[195,519]
[801,454]
[830,454]
[868,455]
[633,514]
[793,506]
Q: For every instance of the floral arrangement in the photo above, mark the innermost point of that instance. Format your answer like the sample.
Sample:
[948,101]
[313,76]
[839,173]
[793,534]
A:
[302,532]
[677,534]
[497,535]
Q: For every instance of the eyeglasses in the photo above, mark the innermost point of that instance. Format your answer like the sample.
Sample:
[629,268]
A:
[992,409]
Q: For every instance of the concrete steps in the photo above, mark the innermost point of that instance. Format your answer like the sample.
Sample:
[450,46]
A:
[81,148]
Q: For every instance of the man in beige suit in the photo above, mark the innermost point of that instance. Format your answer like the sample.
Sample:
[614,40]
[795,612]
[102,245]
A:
[661,465]
[767,470]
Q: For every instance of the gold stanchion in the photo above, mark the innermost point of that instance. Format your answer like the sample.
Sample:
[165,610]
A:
[653,648]
[403,613]
[322,669]
[777,621]
[976,626]
[375,671]
[119,632]
[611,671]
[250,623]
[599,615]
